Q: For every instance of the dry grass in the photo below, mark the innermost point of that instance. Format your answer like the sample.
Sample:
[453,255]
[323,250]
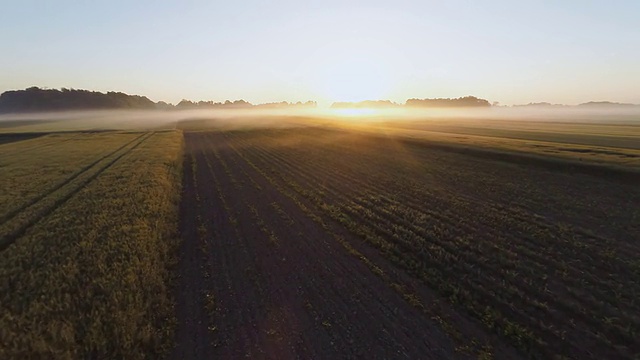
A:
[35,167]
[90,278]
[613,145]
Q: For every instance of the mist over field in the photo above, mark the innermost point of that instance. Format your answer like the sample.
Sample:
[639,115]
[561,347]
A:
[134,119]
[319,180]
[256,207]
[251,118]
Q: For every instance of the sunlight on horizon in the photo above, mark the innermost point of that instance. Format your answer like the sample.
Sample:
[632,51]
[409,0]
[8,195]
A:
[331,51]
[355,112]
[352,79]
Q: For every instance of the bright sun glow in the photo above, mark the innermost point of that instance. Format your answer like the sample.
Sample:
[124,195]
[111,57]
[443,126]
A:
[354,112]
[354,79]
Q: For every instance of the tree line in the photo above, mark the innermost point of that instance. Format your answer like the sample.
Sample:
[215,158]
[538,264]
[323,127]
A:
[35,99]
[466,101]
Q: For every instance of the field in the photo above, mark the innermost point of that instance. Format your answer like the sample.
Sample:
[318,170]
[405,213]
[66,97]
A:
[323,243]
[314,238]
[87,235]
[616,142]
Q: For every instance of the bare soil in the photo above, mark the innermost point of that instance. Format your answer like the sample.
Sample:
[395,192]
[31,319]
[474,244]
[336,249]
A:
[315,243]
[290,291]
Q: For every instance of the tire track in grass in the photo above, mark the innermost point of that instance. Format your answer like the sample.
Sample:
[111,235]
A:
[9,238]
[8,216]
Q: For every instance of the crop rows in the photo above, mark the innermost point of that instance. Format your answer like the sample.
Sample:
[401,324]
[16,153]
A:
[549,287]
[468,343]
[286,283]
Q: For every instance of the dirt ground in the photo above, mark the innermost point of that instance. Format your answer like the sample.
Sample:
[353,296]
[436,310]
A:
[268,271]
[283,287]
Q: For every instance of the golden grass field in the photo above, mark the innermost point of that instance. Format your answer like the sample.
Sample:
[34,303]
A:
[88,234]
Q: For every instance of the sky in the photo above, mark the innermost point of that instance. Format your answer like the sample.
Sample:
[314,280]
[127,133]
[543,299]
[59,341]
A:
[511,52]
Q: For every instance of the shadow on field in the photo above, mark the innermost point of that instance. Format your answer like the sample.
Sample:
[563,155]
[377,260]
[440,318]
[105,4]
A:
[9,138]
[610,172]
[15,123]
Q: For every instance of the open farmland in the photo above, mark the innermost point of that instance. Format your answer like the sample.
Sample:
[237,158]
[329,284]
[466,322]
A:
[615,142]
[87,234]
[324,243]
[317,240]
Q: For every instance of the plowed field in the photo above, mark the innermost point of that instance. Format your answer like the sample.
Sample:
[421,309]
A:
[317,243]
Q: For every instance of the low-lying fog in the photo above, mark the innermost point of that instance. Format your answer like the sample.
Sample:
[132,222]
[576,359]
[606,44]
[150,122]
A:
[243,118]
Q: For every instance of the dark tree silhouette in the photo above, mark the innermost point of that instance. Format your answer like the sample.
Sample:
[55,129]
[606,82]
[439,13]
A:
[467,101]
[36,99]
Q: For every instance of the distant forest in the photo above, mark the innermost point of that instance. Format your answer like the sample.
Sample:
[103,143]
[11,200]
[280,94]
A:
[35,99]
[187,104]
[587,104]
[467,101]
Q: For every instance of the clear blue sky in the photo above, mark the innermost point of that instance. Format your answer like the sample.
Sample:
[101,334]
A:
[507,51]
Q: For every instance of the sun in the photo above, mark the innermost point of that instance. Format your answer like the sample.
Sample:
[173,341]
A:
[355,112]
[353,80]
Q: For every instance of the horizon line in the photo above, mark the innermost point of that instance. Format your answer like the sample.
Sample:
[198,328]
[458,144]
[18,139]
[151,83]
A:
[335,102]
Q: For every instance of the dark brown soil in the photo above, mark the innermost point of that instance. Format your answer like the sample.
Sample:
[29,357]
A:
[283,286]
[324,243]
